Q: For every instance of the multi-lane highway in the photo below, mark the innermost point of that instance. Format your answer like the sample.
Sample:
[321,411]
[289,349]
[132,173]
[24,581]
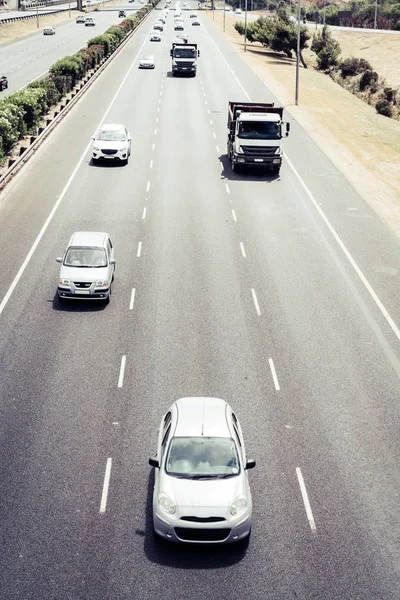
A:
[278,294]
[29,58]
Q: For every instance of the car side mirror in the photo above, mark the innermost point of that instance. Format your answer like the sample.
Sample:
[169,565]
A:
[92,138]
[153,462]
[198,52]
[59,259]
[112,261]
[250,464]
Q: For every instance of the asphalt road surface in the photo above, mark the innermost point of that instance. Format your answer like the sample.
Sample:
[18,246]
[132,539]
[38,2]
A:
[28,58]
[278,294]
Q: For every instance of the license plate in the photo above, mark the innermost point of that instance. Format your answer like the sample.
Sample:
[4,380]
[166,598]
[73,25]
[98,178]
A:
[82,292]
[258,160]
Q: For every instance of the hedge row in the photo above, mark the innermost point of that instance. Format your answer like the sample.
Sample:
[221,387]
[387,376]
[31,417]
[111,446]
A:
[22,112]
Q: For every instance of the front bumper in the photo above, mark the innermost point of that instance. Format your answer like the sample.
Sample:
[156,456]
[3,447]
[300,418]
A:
[110,154]
[77,293]
[255,161]
[228,531]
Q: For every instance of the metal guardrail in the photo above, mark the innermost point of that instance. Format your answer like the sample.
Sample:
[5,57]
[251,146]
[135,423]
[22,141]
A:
[34,16]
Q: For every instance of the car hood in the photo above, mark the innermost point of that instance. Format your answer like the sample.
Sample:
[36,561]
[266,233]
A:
[203,493]
[105,145]
[87,274]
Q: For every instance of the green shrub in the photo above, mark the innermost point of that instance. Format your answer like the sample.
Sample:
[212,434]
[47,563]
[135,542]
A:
[383,108]
[326,48]
[354,66]
[12,125]
[52,93]
[368,79]
[390,95]
[33,103]
[66,72]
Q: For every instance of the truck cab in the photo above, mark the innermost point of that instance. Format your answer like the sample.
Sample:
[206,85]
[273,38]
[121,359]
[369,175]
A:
[184,58]
[255,134]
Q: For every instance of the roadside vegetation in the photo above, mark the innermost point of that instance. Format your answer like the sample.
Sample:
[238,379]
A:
[23,112]
[278,32]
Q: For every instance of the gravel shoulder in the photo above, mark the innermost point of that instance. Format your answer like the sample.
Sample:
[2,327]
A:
[365,146]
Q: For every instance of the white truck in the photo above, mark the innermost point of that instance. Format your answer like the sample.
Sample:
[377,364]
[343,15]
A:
[184,59]
[255,132]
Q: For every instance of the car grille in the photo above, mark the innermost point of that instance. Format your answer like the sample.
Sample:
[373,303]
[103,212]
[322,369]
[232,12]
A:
[184,63]
[259,151]
[82,284]
[109,152]
[203,519]
[202,535]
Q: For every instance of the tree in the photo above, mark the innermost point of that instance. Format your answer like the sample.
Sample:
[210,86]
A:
[326,48]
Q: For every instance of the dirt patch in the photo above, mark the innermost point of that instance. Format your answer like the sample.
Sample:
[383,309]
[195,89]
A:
[365,146]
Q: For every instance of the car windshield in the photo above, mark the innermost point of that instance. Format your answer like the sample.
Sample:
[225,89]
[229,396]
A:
[85,257]
[261,130]
[111,135]
[202,458]
[184,53]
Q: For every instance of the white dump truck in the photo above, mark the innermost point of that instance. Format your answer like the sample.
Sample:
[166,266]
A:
[184,59]
[255,132]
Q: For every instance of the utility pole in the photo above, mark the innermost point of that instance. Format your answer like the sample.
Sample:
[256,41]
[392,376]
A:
[37,14]
[224,12]
[376,13]
[296,101]
[245,24]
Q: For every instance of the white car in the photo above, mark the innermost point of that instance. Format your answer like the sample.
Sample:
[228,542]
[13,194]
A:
[238,11]
[201,489]
[111,142]
[195,22]
[80,19]
[193,16]
[182,37]
[147,62]
[90,22]
[49,30]
[155,36]
[158,27]
[87,267]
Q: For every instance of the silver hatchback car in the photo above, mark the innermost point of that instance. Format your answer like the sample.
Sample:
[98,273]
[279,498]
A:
[87,267]
[201,491]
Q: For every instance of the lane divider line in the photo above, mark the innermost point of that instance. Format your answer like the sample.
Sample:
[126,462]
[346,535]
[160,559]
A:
[132,301]
[122,371]
[274,375]
[243,250]
[258,311]
[306,501]
[144,213]
[139,249]
[106,483]
[234,215]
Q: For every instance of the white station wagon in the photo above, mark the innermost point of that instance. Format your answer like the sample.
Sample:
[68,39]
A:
[201,491]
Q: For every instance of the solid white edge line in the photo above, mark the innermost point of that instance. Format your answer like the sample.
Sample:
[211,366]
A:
[306,500]
[353,263]
[274,375]
[243,250]
[234,215]
[139,249]
[61,197]
[255,302]
[106,483]
[132,301]
[122,371]
[349,257]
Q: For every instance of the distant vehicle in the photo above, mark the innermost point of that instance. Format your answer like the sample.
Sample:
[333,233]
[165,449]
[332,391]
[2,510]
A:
[112,142]
[227,9]
[195,22]
[182,37]
[155,36]
[3,83]
[80,19]
[122,13]
[238,11]
[193,15]
[201,489]
[179,27]
[49,30]
[90,22]
[158,27]
[87,267]
[147,62]
[255,133]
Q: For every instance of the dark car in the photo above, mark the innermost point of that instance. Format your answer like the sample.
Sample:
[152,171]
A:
[3,83]
[122,13]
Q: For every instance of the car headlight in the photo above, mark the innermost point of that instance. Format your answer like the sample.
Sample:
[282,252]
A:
[166,504]
[96,148]
[101,283]
[65,282]
[239,150]
[238,506]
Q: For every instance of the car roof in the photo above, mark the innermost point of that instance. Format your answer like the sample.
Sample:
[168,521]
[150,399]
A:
[197,416]
[88,238]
